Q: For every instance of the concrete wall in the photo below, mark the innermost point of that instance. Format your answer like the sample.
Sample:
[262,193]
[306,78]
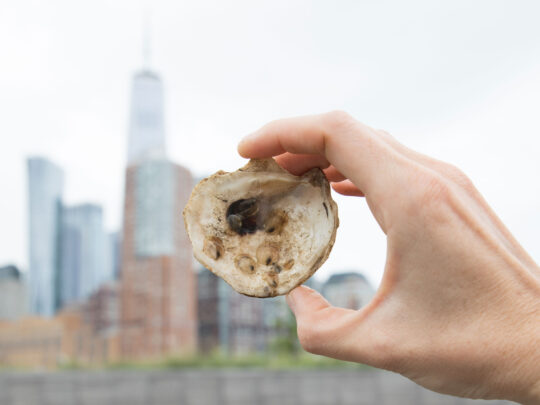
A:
[218,387]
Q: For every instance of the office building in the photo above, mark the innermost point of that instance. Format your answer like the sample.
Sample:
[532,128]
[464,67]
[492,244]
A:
[45,184]
[234,323]
[157,284]
[83,246]
[146,136]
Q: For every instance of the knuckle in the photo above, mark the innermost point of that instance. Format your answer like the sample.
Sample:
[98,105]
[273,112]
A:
[437,189]
[458,177]
[271,126]
[339,119]
[432,190]
[385,134]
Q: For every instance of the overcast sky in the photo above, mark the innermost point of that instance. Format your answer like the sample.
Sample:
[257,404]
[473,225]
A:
[459,80]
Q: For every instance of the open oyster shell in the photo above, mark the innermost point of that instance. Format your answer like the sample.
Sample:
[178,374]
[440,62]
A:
[262,229]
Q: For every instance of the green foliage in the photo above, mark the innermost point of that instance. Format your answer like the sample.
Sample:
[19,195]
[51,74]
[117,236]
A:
[287,340]
[259,361]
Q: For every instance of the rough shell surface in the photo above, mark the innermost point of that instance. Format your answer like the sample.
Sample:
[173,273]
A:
[262,229]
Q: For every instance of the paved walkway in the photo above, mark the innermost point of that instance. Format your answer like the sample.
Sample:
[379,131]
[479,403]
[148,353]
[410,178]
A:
[220,387]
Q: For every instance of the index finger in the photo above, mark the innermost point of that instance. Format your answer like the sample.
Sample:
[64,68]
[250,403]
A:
[351,147]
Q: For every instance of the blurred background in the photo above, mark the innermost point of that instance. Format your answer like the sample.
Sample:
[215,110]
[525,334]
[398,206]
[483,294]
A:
[112,111]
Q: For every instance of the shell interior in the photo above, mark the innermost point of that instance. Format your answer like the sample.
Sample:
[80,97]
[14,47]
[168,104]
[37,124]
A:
[261,229]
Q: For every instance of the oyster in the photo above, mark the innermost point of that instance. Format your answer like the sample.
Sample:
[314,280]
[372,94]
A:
[262,229]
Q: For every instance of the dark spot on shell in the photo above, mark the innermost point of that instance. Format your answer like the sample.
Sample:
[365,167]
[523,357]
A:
[245,264]
[275,221]
[235,222]
[276,268]
[289,264]
[267,254]
[325,208]
[271,279]
[317,178]
[213,247]
[242,216]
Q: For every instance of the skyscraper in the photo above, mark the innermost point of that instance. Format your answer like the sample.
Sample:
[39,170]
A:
[45,185]
[158,293]
[146,132]
[83,261]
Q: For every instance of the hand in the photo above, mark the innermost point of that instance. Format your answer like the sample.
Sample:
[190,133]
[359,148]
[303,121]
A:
[458,308]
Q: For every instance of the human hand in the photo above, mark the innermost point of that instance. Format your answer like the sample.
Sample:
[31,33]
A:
[458,308]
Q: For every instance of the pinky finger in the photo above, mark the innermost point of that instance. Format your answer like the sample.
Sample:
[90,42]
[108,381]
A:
[347,187]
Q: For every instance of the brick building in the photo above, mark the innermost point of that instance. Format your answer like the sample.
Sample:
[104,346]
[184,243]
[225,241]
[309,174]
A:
[38,342]
[157,285]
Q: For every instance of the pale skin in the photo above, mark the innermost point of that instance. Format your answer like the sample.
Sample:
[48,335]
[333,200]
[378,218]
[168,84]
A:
[458,308]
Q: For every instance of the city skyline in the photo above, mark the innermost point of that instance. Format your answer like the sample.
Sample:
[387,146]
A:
[70,254]
[113,112]
[469,96]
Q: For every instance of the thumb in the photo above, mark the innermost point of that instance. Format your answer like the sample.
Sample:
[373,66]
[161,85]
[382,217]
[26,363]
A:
[335,332]
[304,300]
[321,327]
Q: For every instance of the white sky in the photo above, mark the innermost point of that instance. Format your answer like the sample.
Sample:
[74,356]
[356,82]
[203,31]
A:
[459,80]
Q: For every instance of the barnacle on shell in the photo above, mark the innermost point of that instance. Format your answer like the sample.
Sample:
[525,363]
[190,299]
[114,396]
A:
[260,228]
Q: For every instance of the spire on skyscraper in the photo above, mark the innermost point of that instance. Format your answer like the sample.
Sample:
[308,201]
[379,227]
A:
[147,39]
[158,300]
[146,138]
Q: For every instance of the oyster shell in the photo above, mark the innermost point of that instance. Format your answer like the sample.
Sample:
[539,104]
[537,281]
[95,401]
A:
[262,229]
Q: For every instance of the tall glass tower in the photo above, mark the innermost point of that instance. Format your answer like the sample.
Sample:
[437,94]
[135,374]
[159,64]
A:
[146,131]
[45,185]
[83,243]
[158,288]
